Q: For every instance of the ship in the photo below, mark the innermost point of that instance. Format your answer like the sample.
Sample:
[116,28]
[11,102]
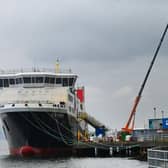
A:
[39,111]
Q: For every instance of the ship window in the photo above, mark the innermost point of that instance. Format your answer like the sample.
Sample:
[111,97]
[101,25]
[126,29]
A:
[18,80]
[52,80]
[33,80]
[65,81]
[1,82]
[58,80]
[27,80]
[47,80]
[6,83]
[11,81]
[71,81]
[39,80]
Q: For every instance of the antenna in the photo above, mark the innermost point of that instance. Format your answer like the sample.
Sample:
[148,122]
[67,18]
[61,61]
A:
[57,66]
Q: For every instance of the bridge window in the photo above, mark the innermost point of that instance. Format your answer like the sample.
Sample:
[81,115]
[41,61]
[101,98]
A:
[27,80]
[65,81]
[52,80]
[71,80]
[39,80]
[47,80]
[58,80]
[6,83]
[33,80]
[18,80]
[1,82]
[11,81]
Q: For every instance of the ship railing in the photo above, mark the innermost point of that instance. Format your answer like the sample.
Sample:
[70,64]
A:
[59,105]
[158,157]
[26,70]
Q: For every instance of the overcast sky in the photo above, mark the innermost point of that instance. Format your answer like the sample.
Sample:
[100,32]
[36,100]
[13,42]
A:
[108,43]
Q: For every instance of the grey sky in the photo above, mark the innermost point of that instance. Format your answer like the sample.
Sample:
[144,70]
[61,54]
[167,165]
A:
[108,43]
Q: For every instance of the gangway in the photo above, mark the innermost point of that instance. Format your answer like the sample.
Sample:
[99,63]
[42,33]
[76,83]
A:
[91,120]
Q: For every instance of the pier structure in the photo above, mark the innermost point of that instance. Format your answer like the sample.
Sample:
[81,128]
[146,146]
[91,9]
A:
[131,149]
[137,150]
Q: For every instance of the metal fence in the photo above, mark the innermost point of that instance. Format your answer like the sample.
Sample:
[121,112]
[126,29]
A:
[160,135]
[158,157]
[24,70]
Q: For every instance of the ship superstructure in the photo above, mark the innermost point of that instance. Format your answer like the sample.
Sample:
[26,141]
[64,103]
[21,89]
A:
[39,111]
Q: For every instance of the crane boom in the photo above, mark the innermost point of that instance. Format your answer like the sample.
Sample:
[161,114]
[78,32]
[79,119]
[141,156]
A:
[137,100]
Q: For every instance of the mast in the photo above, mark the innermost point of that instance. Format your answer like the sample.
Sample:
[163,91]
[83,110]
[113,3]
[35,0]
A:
[57,66]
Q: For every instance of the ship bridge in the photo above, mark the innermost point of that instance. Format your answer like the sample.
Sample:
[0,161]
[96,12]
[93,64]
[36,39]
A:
[37,78]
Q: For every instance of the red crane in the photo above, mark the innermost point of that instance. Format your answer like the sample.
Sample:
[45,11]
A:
[131,121]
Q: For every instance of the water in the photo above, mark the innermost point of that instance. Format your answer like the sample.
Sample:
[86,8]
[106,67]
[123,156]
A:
[7,161]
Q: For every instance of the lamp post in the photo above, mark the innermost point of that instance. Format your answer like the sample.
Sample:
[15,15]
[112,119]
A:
[154,110]
[162,114]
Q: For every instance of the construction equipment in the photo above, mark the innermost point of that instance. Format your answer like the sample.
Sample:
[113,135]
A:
[128,127]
